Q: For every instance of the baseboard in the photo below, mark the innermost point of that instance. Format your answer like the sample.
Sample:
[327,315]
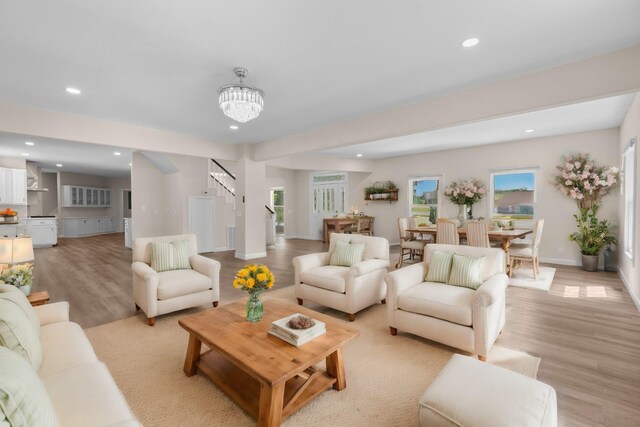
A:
[251,256]
[633,296]
[222,249]
[297,236]
[560,261]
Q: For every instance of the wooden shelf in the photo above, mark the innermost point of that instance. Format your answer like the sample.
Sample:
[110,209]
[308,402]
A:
[393,197]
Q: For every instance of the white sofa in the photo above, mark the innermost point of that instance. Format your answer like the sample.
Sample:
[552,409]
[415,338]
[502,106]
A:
[168,291]
[460,317]
[347,289]
[79,386]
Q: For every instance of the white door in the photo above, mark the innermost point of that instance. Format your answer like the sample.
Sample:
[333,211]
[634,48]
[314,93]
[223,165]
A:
[201,221]
[329,196]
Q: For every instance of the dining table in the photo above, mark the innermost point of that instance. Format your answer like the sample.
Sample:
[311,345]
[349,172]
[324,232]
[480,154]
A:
[505,237]
[338,224]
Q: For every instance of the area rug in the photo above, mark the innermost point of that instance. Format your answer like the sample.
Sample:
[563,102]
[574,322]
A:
[523,278]
[386,375]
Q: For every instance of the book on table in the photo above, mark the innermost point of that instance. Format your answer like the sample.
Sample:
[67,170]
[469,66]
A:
[297,337]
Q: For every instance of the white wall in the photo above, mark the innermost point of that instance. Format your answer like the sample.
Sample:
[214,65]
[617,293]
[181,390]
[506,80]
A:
[630,269]
[478,162]
[285,178]
[147,199]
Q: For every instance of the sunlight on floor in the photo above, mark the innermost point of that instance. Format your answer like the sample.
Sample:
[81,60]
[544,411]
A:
[596,292]
[571,292]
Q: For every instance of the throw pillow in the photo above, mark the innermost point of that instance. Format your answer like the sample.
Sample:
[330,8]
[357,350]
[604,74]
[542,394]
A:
[347,254]
[23,399]
[170,255]
[466,271]
[439,267]
[17,332]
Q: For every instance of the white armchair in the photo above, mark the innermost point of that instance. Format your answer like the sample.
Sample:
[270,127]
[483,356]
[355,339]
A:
[460,317]
[347,289]
[168,291]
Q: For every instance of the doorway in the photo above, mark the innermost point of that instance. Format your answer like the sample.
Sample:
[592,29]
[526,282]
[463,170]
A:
[201,222]
[329,196]
[277,204]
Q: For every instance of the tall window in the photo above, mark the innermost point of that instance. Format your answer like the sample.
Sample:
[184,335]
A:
[424,199]
[513,194]
[630,177]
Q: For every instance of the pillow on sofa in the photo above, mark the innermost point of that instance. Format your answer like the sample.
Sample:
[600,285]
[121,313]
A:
[17,332]
[466,271]
[16,295]
[347,254]
[170,256]
[24,402]
[439,267]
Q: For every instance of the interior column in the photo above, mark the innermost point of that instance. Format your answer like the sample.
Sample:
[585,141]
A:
[250,211]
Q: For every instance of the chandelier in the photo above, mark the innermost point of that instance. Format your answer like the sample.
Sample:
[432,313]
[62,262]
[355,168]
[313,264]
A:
[239,101]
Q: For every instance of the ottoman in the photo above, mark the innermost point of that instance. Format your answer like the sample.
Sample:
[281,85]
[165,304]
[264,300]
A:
[472,393]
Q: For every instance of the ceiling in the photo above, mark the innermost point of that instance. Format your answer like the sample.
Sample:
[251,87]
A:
[91,159]
[159,64]
[586,116]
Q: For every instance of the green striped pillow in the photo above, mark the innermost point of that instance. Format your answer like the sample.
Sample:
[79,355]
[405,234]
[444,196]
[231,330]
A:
[23,398]
[170,256]
[466,271]
[17,331]
[347,254]
[439,267]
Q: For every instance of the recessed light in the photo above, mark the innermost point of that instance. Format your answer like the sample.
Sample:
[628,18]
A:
[25,154]
[30,143]
[358,155]
[470,42]
[73,90]
[117,153]
[529,130]
[59,165]
[234,127]
[130,164]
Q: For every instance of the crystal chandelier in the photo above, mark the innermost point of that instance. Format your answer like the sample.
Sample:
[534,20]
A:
[239,101]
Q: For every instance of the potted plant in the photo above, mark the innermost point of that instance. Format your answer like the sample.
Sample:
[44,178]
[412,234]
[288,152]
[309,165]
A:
[464,194]
[592,236]
[380,190]
[579,178]
[254,279]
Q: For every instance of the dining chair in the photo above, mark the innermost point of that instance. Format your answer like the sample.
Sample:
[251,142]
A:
[364,226]
[409,245]
[519,253]
[447,232]
[478,234]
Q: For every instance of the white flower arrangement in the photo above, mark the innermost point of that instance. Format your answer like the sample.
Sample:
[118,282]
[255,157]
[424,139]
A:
[18,275]
[465,192]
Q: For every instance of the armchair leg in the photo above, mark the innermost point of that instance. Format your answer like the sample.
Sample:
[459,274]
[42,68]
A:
[151,320]
[384,301]
[215,303]
[351,316]
[393,331]
[482,358]
[299,301]
[137,307]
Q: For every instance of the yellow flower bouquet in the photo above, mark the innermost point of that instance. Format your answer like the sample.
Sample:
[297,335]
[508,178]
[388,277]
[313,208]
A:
[254,279]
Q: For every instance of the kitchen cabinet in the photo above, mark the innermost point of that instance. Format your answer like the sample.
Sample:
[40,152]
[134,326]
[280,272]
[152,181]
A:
[43,231]
[13,186]
[83,197]
[76,227]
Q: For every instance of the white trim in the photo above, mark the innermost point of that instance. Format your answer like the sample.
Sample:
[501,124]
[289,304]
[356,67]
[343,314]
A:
[250,256]
[299,236]
[221,249]
[629,218]
[560,261]
[634,297]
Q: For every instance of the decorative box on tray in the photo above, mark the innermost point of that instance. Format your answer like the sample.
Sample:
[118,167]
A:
[282,329]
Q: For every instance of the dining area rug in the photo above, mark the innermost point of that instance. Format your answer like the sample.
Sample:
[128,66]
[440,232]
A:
[523,278]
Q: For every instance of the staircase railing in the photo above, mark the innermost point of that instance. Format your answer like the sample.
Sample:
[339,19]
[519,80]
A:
[223,182]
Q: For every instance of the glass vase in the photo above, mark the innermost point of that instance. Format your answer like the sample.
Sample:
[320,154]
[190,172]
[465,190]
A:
[462,214]
[254,307]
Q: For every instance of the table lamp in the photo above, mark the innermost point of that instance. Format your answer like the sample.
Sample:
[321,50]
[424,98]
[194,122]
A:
[16,250]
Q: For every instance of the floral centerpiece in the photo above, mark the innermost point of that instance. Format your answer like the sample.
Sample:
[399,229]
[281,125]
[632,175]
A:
[254,279]
[20,276]
[465,194]
[583,181]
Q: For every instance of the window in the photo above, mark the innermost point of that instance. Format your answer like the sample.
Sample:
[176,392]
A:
[628,188]
[512,194]
[424,199]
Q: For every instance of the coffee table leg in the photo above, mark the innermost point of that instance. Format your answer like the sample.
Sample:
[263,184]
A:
[271,401]
[193,355]
[335,368]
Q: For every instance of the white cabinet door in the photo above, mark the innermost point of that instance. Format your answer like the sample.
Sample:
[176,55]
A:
[71,227]
[88,199]
[107,198]
[6,187]
[19,186]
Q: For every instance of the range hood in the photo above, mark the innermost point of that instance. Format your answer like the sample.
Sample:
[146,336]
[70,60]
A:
[33,179]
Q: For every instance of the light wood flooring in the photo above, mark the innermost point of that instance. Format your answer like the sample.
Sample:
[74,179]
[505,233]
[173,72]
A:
[586,328]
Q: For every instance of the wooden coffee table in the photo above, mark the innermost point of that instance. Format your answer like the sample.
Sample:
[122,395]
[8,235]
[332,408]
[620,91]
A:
[267,377]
